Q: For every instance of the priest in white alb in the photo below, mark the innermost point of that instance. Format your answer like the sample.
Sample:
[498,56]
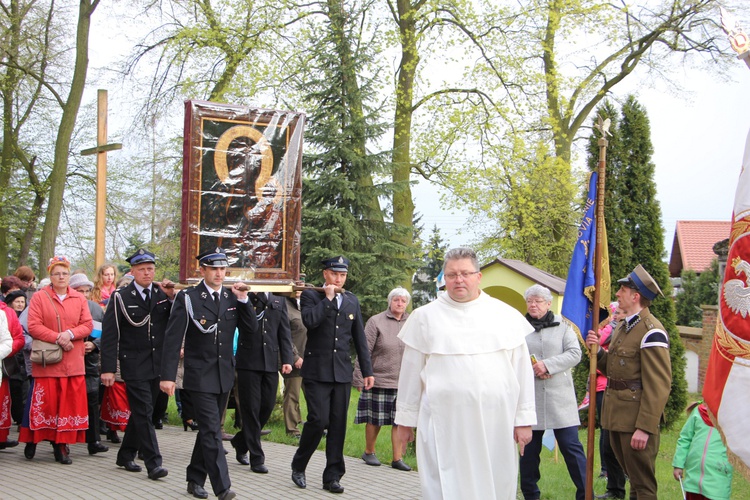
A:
[467,384]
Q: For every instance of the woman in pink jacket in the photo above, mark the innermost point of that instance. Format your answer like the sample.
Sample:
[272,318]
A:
[57,410]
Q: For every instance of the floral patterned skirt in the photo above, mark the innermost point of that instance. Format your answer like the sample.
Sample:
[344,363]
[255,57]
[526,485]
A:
[5,418]
[56,411]
[115,407]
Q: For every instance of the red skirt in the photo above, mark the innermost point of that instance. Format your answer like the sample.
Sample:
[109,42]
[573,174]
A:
[115,407]
[58,411]
[5,420]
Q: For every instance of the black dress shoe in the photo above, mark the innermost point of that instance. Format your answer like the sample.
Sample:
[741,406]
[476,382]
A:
[129,465]
[157,472]
[227,495]
[298,478]
[259,469]
[242,458]
[196,490]
[610,494]
[97,447]
[333,487]
[8,444]
[61,454]
[265,432]
[159,424]
[113,437]
[29,450]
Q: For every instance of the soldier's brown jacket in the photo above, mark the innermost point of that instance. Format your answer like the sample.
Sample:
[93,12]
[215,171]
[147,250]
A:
[639,374]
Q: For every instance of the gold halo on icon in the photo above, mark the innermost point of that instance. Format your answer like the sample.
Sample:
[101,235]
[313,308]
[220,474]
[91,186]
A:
[266,162]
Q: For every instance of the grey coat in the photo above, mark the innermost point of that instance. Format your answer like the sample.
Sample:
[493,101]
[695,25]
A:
[558,347]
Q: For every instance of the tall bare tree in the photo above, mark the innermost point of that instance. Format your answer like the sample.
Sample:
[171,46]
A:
[70,106]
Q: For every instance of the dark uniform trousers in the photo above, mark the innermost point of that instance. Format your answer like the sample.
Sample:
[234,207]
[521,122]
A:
[257,360]
[140,433]
[208,453]
[209,370]
[327,375]
[139,349]
[327,408]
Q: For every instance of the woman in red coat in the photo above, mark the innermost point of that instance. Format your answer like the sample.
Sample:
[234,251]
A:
[57,409]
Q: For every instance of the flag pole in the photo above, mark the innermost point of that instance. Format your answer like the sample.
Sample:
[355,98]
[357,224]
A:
[603,126]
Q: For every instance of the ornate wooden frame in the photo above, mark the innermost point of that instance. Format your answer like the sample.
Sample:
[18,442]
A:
[241,190]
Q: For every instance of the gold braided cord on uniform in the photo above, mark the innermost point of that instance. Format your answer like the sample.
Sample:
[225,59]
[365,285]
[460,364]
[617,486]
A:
[727,343]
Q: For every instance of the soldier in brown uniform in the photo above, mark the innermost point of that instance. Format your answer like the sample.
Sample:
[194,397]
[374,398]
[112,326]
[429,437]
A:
[639,378]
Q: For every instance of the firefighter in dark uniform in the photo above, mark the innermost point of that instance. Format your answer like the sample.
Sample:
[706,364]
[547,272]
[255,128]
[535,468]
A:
[133,331]
[205,317]
[333,321]
[257,374]
[639,380]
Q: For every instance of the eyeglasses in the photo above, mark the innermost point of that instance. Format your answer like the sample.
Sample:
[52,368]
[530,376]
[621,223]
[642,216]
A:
[464,275]
[59,275]
[536,301]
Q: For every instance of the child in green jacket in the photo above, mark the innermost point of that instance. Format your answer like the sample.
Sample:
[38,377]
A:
[702,458]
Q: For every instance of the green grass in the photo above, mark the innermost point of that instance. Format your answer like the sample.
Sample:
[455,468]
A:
[554,484]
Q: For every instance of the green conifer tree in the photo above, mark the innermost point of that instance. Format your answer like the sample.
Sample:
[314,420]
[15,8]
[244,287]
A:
[634,230]
[423,285]
[341,212]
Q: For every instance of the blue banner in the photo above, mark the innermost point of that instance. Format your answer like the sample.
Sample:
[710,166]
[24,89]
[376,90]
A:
[577,305]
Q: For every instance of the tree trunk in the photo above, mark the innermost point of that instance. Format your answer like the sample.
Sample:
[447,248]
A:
[10,81]
[403,204]
[65,132]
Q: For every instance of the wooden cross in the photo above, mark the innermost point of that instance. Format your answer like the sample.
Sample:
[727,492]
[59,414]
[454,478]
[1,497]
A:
[100,151]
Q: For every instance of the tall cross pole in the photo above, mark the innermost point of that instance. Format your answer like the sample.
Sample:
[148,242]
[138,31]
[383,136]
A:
[100,151]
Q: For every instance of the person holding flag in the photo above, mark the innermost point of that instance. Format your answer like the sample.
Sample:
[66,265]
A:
[639,379]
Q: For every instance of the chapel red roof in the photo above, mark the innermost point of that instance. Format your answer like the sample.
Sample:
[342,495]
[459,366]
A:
[693,244]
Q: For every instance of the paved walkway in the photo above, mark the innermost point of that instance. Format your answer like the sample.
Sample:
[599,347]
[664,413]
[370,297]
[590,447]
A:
[97,477]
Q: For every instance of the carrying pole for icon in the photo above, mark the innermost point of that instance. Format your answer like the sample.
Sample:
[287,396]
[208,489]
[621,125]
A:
[603,127]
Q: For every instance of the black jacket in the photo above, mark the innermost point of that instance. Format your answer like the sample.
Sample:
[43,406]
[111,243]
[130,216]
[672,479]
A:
[330,331]
[209,357]
[260,351]
[139,347]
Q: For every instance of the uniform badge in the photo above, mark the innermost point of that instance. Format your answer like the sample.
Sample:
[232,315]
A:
[341,260]
[141,252]
[226,294]
[351,316]
[132,292]
[204,295]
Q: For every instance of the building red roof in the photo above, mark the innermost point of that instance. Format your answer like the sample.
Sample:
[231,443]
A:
[693,244]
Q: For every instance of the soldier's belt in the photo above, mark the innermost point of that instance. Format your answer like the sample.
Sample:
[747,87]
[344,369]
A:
[621,385]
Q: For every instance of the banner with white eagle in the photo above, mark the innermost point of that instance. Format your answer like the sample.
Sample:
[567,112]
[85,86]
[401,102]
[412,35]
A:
[727,387]
[726,390]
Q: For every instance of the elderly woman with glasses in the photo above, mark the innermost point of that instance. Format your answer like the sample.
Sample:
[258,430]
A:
[377,406]
[554,350]
[57,410]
